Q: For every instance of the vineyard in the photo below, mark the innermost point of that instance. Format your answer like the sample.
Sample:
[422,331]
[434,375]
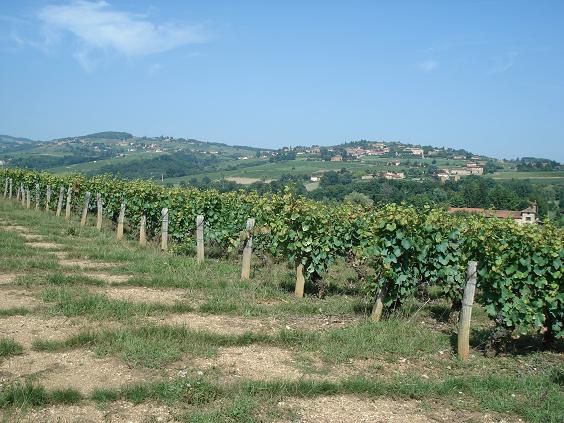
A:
[397,251]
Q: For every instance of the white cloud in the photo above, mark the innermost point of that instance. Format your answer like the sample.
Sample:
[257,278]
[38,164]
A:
[99,27]
[428,65]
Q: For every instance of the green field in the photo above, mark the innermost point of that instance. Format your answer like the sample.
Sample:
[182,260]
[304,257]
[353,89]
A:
[96,165]
[554,177]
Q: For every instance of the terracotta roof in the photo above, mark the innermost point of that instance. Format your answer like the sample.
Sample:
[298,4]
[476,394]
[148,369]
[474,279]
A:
[503,214]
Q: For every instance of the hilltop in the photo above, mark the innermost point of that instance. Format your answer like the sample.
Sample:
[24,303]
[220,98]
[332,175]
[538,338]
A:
[122,153]
[187,160]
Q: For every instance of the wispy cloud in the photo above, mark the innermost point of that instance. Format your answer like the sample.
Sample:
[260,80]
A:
[154,68]
[428,65]
[504,62]
[98,27]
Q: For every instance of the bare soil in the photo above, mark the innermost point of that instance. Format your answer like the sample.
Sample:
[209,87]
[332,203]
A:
[91,413]
[108,278]
[78,369]
[84,264]
[233,325]
[256,362]
[8,278]
[29,328]
[15,228]
[224,325]
[32,237]
[349,408]
[45,245]
[143,295]
[12,298]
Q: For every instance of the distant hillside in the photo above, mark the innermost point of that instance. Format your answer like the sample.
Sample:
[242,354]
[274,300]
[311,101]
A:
[187,160]
[124,154]
[109,135]
[9,143]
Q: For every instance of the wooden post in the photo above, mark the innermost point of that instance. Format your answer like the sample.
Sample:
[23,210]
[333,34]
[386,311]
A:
[37,196]
[60,202]
[466,312]
[300,281]
[200,238]
[48,198]
[6,183]
[248,251]
[23,195]
[378,307]
[10,188]
[28,198]
[99,211]
[143,231]
[18,194]
[164,230]
[121,218]
[85,208]
[69,204]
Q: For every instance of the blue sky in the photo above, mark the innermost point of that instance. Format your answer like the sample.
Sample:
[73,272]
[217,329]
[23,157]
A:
[483,75]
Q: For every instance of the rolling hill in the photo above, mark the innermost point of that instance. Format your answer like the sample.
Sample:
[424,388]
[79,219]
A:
[182,160]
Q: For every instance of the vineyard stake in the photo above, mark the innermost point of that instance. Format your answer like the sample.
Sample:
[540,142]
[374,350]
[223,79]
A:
[300,281]
[10,188]
[60,202]
[466,312]
[121,217]
[48,198]
[18,193]
[85,208]
[164,230]
[200,238]
[99,211]
[248,251]
[37,195]
[28,198]
[378,307]
[143,231]
[69,204]
[23,196]
[6,183]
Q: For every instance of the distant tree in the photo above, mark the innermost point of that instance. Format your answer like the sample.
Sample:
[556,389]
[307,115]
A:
[358,198]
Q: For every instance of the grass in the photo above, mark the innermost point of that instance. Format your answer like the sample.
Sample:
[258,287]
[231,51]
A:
[23,395]
[536,398]
[14,311]
[408,355]
[158,345]
[9,347]
[72,302]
